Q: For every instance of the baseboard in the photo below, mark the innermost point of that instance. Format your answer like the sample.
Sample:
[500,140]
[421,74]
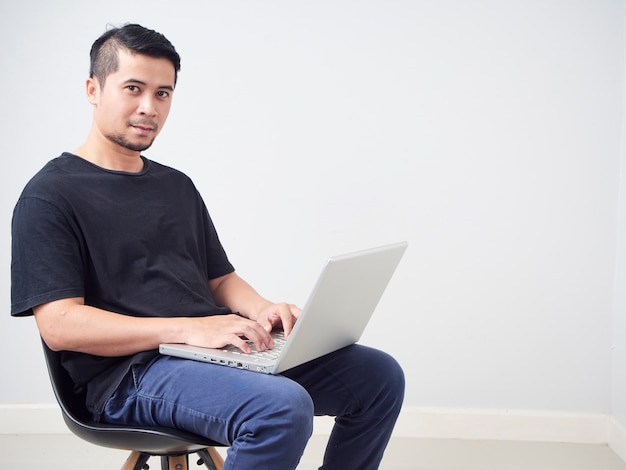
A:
[541,426]
[531,426]
[617,438]
[31,419]
[414,422]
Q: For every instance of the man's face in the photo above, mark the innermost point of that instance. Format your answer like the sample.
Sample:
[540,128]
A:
[131,109]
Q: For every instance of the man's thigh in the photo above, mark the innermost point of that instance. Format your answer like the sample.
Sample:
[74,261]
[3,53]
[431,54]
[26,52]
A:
[210,400]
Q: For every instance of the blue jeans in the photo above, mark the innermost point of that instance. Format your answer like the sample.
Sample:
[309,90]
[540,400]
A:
[267,420]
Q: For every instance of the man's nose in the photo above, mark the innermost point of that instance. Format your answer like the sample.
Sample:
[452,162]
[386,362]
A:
[147,107]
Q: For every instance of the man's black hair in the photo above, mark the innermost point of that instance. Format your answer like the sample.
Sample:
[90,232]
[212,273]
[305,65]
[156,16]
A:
[136,39]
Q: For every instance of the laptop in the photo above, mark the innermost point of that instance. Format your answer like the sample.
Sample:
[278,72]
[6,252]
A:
[334,316]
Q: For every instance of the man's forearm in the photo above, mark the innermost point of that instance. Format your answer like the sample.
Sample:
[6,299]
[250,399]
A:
[236,294]
[70,325]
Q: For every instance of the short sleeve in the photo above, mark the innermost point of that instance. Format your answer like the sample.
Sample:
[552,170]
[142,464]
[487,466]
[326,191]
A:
[47,261]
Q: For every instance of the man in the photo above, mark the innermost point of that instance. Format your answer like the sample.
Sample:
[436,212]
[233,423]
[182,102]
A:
[114,254]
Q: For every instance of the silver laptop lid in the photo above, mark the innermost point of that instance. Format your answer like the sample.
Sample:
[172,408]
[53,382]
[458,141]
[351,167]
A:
[341,303]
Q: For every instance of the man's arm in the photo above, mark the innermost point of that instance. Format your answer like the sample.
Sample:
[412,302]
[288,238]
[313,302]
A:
[70,325]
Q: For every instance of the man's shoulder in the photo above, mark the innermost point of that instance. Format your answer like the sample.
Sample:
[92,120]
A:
[164,171]
[48,174]
[163,168]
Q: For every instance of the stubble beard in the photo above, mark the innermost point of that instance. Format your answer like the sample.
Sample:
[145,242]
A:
[127,144]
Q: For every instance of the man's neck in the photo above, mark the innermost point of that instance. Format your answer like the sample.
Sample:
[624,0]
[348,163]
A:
[109,155]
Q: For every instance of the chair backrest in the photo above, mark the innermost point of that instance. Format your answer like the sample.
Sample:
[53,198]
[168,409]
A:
[153,440]
[70,399]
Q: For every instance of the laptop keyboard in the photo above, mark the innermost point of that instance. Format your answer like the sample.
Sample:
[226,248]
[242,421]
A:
[279,343]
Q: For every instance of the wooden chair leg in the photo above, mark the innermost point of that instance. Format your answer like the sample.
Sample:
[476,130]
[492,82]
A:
[175,462]
[210,454]
[217,458]
[135,461]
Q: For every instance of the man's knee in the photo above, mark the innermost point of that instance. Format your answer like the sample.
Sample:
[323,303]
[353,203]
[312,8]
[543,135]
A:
[288,410]
[393,371]
[385,374]
[297,409]
[277,429]
[394,378]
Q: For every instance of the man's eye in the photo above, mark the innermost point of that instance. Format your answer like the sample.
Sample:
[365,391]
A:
[163,94]
[133,88]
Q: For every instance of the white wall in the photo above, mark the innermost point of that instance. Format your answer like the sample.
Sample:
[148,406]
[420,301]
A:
[486,133]
[619,295]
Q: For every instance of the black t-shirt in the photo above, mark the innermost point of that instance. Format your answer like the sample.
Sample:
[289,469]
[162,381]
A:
[140,244]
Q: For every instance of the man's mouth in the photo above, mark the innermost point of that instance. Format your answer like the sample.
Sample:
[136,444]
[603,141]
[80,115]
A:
[144,127]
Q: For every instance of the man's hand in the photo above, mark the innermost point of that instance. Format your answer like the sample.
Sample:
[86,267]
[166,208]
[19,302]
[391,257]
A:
[277,316]
[218,331]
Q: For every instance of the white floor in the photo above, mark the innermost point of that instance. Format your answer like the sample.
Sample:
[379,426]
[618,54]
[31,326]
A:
[66,452]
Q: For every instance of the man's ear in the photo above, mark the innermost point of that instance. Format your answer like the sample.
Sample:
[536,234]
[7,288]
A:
[92,88]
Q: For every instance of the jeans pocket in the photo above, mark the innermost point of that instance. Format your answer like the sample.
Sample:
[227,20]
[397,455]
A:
[138,371]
